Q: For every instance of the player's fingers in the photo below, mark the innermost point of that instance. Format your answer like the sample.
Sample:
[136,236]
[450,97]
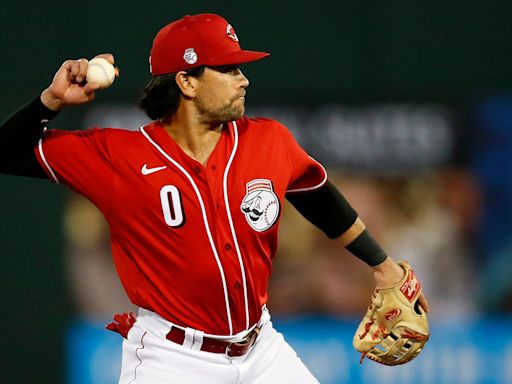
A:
[424,303]
[82,70]
[66,66]
[64,72]
[74,69]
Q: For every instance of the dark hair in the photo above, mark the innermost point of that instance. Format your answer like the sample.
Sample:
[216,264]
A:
[161,96]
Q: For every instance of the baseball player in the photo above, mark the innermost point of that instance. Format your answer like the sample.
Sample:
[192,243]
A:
[193,201]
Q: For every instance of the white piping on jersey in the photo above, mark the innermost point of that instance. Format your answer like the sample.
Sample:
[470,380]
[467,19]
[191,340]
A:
[232,227]
[315,186]
[41,153]
[205,220]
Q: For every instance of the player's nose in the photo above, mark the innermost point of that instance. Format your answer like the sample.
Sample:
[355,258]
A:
[244,80]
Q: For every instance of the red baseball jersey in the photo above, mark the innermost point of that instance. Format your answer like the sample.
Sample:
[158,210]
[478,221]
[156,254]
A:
[192,243]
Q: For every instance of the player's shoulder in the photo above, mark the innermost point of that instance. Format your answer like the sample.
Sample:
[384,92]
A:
[108,138]
[111,134]
[95,131]
[256,124]
[110,131]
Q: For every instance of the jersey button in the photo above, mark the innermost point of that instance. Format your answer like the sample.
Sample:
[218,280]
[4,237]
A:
[197,170]
[237,285]
[227,247]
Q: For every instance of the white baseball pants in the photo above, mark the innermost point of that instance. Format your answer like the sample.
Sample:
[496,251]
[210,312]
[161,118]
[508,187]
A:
[149,358]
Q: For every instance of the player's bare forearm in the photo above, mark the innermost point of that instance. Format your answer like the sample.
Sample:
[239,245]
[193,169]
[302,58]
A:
[352,233]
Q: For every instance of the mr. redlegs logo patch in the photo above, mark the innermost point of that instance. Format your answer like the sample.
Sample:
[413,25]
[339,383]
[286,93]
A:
[410,287]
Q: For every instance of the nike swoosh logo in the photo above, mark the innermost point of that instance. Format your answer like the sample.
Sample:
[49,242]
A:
[148,171]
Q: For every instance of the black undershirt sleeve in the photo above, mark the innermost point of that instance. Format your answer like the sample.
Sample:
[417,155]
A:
[328,210]
[19,134]
[367,249]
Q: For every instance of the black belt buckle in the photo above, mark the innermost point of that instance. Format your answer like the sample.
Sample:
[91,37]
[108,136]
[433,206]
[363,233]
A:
[242,347]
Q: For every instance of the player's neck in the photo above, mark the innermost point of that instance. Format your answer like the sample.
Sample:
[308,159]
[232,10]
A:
[197,139]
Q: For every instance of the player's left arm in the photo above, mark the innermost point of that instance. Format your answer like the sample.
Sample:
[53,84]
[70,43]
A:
[319,201]
[328,209]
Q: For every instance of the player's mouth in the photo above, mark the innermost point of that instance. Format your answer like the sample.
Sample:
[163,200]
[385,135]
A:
[240,96]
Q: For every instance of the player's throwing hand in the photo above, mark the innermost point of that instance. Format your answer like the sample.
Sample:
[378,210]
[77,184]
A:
[69,86]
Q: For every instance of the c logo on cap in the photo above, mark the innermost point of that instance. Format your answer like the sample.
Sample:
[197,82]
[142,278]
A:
[190,56]
[230,32]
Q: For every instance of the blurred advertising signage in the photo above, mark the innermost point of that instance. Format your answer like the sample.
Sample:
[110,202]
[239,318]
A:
[385,138]
[382,138]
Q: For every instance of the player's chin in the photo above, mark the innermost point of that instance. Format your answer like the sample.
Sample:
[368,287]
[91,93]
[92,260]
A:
[241,111]
[229,113]
[239,104]
[235,113]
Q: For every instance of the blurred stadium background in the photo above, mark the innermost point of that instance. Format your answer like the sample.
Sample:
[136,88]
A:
[408,104]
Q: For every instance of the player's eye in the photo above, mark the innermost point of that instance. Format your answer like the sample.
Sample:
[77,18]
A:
[226,68]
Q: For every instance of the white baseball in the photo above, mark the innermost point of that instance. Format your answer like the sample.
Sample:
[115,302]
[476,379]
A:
[100,71]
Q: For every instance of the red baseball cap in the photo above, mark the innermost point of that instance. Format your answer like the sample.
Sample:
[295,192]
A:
[203,39]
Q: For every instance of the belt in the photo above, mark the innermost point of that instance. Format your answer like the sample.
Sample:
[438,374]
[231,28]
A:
[231,349]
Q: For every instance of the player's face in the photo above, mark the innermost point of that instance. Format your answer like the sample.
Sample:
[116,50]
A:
[221,94]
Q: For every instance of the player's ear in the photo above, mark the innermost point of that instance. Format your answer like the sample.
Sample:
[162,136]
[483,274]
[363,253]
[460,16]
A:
[186,83]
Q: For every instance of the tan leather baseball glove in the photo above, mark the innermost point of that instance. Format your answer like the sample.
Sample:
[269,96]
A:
[395,327]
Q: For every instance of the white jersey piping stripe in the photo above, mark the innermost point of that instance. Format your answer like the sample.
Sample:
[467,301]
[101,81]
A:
[315,186]
[231,225]
[43,157]
[205,220]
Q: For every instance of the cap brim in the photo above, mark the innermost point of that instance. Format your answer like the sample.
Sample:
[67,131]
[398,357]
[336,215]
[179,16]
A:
[238,57]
